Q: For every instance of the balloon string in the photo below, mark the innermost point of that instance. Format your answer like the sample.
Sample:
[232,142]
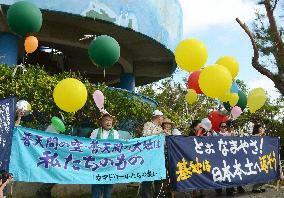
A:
[104,74]
[25,57]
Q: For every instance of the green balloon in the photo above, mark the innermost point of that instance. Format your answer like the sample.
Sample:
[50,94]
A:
[227,106]
[242,102]
[58,124]
[104,51]
[24,18]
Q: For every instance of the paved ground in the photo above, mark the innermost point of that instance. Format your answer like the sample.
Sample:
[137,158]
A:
[270,193]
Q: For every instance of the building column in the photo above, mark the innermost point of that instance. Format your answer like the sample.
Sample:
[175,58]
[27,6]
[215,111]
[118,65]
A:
[127,81]
[8,49]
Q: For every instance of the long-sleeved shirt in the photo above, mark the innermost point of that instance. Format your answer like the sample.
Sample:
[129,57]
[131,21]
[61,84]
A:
[151,129]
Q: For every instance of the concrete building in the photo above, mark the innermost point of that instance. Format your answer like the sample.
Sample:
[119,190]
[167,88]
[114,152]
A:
[147,32]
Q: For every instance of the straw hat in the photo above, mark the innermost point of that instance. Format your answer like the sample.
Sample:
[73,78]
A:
[168,121]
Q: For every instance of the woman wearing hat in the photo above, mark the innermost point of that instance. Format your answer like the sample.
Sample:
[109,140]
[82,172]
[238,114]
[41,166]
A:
[168,127]
[106,131]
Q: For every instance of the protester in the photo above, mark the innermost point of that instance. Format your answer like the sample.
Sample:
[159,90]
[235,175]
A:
[207,125]
[258,130]
[154,127]
[45,189]
[5,178]
[224,129]
[197,128]
[106,131]
[19,116]
[168,127]
[231,128]
[227,129]
[231,131]
[224,132]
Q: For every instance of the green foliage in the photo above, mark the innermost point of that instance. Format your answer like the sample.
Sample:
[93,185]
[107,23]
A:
[170,96]
[268,35]
[36,86]
[270,115]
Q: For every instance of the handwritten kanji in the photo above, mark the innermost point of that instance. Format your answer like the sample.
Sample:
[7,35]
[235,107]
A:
[52,142]
[38,141]
[184,172]
[121,162]
[49,159]
[27,139]
[77,146]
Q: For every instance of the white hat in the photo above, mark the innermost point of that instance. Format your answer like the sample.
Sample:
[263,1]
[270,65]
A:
[206,124]
[176,132]
[157,113]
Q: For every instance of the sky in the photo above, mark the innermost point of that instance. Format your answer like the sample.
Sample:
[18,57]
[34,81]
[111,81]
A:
[213,22]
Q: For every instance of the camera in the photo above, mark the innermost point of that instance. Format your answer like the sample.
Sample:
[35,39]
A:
[4,175]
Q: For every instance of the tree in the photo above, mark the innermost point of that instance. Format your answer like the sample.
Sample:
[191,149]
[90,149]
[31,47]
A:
[36,86]
[170,96]
[267,42]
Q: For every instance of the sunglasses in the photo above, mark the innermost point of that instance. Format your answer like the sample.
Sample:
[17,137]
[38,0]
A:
[224,126]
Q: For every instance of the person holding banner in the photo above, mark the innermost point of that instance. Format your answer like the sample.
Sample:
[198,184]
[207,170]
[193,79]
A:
[4,188]
[154,127]
[5,178]
[168,127]
[224,129]
[258,130]
[197,128]
[19,116]
[106,131]
[227,129]
[45,189]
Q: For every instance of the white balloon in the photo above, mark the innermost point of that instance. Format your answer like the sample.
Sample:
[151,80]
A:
[24,106]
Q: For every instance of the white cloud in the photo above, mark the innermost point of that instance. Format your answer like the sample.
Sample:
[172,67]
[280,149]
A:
[199,15]
[267,85]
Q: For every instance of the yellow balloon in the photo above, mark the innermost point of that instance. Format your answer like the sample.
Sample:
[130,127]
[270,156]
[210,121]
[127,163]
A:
[234,98]
[215,81]
[191,96]
[256,99]
[191,55]
[70,95]
[225,97]
[230,63]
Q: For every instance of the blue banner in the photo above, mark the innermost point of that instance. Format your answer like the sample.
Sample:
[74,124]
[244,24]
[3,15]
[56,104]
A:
[39,156]
[7,122]
[218,162]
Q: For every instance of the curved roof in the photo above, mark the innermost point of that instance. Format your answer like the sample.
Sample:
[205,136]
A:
[145,57]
